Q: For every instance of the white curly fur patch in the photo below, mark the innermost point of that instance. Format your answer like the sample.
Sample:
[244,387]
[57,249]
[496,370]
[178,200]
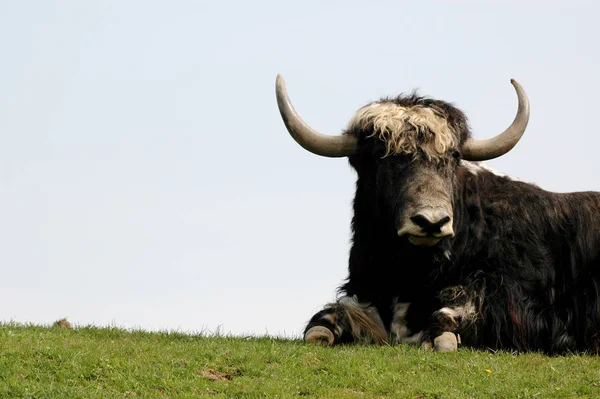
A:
[407,130]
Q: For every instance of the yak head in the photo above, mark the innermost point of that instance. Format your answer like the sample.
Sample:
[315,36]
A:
[406,152]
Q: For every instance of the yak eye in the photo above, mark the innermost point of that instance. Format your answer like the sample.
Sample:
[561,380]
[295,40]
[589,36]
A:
[456,154]
[378,152]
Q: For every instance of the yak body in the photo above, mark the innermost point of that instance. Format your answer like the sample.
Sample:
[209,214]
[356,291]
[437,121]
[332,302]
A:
[528,259]
[441,244]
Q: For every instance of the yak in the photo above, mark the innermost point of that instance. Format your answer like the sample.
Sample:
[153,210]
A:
[447,251]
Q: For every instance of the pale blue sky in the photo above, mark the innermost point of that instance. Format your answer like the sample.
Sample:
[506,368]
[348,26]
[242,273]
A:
[146,179]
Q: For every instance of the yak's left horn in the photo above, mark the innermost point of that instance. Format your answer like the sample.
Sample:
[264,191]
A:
[307,137]
[481,150]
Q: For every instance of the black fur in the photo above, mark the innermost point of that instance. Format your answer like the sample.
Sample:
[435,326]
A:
[532,255]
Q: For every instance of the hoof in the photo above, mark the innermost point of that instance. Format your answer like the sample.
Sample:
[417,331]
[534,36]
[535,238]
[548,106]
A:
[427,345]
[447,342]
[319,335]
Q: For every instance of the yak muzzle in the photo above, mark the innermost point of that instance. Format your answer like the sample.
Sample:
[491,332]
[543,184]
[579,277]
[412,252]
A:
[427,226]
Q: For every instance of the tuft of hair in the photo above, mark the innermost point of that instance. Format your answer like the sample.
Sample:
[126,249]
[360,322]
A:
[365,323]
[411,125]
[62,323]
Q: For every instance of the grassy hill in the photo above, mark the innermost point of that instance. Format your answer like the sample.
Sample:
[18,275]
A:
[54,362]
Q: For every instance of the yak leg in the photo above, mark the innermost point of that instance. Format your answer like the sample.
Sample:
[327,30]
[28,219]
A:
[346,320]
[459,310]
[400,332]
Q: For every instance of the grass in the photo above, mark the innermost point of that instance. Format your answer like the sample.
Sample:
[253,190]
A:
[88,362]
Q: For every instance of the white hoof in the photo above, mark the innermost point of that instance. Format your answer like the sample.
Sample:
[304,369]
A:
[447,342]
[427,345]
[319,335]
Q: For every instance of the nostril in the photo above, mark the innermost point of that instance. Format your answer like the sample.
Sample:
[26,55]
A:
[421,221]
[443,221]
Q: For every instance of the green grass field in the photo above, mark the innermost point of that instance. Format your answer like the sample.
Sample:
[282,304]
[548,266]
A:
[52,362]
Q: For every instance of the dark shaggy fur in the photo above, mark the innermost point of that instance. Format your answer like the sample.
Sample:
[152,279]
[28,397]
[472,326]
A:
[530,258]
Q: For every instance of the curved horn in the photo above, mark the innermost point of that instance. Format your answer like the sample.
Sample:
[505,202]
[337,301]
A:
[481,150]
[307,137]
